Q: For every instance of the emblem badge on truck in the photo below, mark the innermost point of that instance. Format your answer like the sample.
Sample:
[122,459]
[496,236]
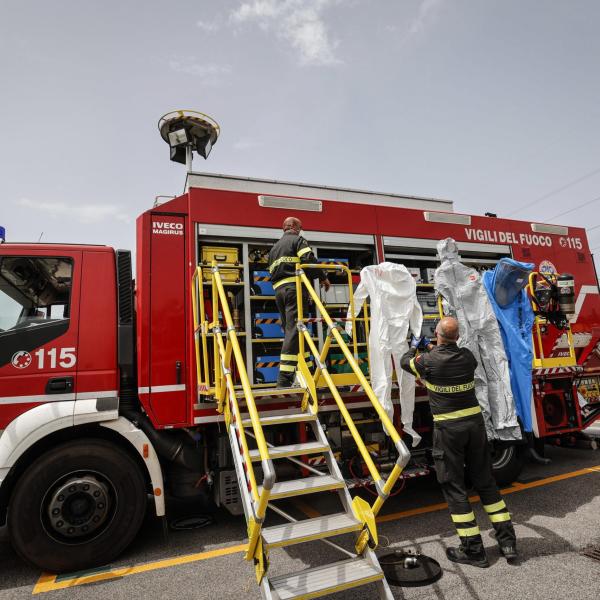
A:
[21,359]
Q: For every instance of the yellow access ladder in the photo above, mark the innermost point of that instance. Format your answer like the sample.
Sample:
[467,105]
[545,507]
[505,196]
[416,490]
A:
[260,490]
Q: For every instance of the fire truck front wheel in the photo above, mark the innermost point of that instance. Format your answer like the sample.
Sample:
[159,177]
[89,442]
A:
[77,506]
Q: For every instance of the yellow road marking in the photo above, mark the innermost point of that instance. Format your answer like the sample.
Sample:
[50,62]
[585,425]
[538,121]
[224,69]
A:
[48,582]
[516,487]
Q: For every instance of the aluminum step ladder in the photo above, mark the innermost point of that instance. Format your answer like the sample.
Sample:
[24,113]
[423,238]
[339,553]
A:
[355,570]
[259,487]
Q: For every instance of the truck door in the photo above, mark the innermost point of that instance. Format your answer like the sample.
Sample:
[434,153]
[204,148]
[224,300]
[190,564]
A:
[39,316]
[168,302]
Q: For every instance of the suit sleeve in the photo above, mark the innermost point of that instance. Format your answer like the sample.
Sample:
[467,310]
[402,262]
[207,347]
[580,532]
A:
[306,255]
[413,364]
[416,319]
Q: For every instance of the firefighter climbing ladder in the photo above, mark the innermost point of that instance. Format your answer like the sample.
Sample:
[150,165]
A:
[244,422]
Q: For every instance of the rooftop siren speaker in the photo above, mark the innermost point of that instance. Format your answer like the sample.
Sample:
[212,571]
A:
[187,131]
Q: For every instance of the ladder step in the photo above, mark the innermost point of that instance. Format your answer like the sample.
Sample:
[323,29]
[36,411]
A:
[328,579]
[263,393]
[308,485]
[310,529]
[282,419]
[292,450]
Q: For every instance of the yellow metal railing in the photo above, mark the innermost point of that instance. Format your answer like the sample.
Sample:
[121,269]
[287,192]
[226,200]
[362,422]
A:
[383,487]
[540,360]
[227,395]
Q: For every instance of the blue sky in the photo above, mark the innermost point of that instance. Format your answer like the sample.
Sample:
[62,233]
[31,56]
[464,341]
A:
[494,105]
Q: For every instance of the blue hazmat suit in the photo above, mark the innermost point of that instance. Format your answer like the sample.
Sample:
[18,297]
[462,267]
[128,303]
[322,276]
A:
[505,287]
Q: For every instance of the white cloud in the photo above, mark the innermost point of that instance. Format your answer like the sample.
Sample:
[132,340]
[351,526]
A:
[427,10]
[211,73]
[83,213]
[298,22]
[208,26]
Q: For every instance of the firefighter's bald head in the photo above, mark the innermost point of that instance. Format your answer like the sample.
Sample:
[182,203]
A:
[292,224]
[447,330]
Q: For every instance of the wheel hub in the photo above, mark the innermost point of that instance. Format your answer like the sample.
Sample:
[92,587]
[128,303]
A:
[79,506]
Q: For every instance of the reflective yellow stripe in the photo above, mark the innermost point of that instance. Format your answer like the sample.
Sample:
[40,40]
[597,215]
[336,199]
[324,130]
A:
[463,518]
[450,389]
[304,251]
[490,508]
[282,281]
[413,367]
[503,516]
[287,368]
[457,414]
[467,532]
[283,259]
[292,357]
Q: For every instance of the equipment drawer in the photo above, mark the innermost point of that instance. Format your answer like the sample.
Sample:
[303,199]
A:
[267,325]
[266,369]
[262,283]
[222,254]
[428,302]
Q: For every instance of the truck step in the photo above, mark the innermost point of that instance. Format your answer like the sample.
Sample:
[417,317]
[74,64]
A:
[292,450]
[282,419]
[310,529]
[266,392]
[335,577]
[307,485]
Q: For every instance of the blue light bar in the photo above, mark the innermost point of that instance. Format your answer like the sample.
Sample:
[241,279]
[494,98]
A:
[2,234]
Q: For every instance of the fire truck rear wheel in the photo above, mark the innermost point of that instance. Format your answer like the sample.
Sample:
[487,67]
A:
[78,506]
[507,463]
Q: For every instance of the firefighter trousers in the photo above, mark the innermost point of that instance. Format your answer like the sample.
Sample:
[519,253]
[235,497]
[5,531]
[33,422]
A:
[287,305]
[459,446]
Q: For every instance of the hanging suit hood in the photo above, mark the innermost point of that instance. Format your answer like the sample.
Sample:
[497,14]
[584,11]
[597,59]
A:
[394,311]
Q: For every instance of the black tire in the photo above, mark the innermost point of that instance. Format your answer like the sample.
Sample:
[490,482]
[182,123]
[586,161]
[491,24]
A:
[86,536]
[507,463]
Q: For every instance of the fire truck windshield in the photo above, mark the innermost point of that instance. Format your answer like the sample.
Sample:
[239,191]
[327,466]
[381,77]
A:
[33,292]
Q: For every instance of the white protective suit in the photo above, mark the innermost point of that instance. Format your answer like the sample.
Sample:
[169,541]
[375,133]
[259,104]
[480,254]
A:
[464,294]
[394,311]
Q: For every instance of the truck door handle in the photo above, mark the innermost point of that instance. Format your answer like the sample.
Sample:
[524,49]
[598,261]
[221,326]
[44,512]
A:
[59,385]
[178,372]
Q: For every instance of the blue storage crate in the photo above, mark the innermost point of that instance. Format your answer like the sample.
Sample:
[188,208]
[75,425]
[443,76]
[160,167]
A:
[262,281]
[267,325]
[266,369]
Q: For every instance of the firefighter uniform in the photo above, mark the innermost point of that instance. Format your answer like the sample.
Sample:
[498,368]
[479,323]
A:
[284,257]
[460,441]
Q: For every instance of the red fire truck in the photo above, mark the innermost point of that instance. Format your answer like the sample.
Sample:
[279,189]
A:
[113,389]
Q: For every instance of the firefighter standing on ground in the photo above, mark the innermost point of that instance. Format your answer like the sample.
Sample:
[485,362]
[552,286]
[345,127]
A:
[460,443]
[284,257]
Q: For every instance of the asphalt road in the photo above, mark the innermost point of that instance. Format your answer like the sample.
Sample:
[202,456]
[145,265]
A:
[556,510]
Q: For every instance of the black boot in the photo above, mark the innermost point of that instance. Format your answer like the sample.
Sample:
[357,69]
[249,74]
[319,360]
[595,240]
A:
[285,382]
[509,552]
[507,540]
[470,552]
